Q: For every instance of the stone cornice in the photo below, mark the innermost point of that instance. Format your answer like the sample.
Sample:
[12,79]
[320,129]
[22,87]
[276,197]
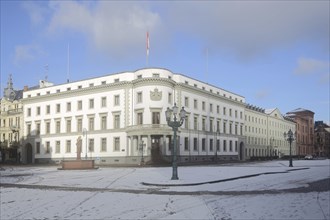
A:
[77,92]
[196,90]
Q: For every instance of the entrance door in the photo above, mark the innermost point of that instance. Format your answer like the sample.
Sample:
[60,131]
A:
[155,149]
[241,151]
[28,153]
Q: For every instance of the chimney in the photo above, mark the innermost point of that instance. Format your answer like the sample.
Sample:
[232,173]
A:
[26,88]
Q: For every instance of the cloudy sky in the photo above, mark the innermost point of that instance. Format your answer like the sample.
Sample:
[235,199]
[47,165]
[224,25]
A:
[274,53]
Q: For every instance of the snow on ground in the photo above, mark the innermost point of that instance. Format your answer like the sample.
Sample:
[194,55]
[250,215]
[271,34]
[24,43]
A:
[119,193]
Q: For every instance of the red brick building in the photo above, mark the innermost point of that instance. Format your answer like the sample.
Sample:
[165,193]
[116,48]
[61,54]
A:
[305,130]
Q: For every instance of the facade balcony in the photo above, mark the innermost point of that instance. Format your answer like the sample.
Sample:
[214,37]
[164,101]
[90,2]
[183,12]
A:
[15,111]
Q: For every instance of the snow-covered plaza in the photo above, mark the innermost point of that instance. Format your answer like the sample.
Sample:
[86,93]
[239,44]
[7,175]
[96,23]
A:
[261,190]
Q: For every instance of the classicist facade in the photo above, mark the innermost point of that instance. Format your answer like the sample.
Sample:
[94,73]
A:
[121,119]
[11,123]
[264,131]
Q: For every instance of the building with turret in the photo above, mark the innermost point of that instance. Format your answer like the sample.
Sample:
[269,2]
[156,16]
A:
[11,123]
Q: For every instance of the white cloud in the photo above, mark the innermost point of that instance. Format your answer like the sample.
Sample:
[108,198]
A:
[112,27]
[262,94]
[249,28]
[35,11]
[311,66]
[245,29]
[26,53]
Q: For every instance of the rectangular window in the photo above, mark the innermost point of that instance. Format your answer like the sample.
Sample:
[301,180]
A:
[230,112]
[224,128]
[203,144]
[211,125]
[104,102]
[156,118]
[203,106]
[28,130]
[91,124]
[91,103]
[79,106]
[47,127]
[68,146]
[47,147]
[68,126]
[224,145]
[139,97]
[116,144]
[91,145]
[68,106]
[186,101]
[218,145]
[195,104]
[103,144]
[48,109]
[117,122]
[195,144]
[29,112]
[37,147]
[218,109]
[211,107]
[58,147]
[230,146]
[211,144]
[79,125]
[170,98]
[235,146]
[58,108]
[195,123]
[104,122]
[58,127]
[218,126]
[117,100]
[224,110]
[186,143]
[140,118]
[38,110]
[203,124]
[230,128]
[37,128]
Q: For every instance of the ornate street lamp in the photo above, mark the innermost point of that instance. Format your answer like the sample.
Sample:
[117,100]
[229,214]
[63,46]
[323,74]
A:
[85,134]
[290,137]
[175,124]
[141,149]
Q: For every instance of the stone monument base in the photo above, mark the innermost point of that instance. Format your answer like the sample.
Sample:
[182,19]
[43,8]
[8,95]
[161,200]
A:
[78,165]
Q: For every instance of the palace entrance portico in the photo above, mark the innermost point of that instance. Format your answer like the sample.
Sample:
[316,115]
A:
[151,141]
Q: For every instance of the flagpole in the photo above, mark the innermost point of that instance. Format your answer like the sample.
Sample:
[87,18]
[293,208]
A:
[147,57]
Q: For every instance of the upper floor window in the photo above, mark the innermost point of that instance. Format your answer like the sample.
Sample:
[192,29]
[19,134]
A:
[68,106]
[140,118]
[104,102]
[58,108]
[38,110]
[117,100]
[195,104]
[48,109]
[170,98]
[186,101]
[139,97]
[91,103]
[79,106]
[156,118]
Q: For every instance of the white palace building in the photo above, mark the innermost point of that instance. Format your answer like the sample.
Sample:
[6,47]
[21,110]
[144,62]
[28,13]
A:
[121,119]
